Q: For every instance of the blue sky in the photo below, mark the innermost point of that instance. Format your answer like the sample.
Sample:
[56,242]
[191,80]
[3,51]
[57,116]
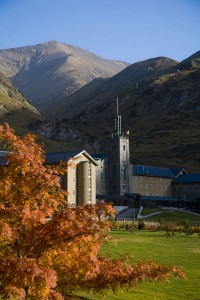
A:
[127,30]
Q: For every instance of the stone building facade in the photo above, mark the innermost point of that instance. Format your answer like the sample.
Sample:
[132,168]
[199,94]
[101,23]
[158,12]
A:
[186,186]
[80,177]
[154,181]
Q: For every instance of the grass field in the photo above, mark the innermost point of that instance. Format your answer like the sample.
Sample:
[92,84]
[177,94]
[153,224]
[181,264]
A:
[179,250]
[171,215]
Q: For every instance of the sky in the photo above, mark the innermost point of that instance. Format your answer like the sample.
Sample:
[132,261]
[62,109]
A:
[126,30]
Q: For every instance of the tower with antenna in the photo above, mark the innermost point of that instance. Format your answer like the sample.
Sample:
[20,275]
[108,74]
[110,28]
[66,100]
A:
[118,126]
[118,158]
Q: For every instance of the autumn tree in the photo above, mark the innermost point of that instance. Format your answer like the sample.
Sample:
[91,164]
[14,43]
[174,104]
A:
[47,249]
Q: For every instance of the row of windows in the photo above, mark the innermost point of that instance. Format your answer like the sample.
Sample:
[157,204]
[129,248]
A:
[146,186]
[154,194]
[188,196]
[89,182]
[136,178]
[114,187]
[188,188]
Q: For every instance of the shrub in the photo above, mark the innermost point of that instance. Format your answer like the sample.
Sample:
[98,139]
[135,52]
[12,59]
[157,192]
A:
[141,225]
[188,228]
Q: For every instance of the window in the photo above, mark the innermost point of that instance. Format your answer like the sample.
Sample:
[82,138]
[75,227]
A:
[124,172]
[74,192]
[124,147]
[124,187]
[89,182]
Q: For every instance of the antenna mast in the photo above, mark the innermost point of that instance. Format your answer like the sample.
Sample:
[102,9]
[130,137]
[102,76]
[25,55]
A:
[118,129]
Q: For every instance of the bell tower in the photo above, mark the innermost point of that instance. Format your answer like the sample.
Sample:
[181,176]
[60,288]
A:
[118,159]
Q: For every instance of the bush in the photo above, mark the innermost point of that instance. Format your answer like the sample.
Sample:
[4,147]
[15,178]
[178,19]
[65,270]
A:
[188,228]
[141,225]
[115,225]
[161,224]
[133,226]
[151,226]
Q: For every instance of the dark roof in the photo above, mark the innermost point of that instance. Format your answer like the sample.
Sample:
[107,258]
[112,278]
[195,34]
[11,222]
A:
[56,157]
[53,157]
[177,170]
[152,171]
[99,156]
[187,178]
[50,158]
[158,198]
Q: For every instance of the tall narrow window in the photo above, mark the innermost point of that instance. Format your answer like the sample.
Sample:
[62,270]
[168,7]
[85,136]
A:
[124,172]
[89,182]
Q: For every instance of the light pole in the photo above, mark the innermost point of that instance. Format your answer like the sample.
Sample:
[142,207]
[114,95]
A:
[134,210]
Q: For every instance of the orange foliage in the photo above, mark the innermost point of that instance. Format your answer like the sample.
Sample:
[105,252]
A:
[42,259]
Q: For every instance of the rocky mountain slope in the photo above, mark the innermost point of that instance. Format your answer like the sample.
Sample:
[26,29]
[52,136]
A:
[24,118]
[159,100]
[100,92]
[47,73]
[14,108]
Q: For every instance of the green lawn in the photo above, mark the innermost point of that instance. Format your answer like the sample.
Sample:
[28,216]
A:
[179,250]
[177,216]
[147,211]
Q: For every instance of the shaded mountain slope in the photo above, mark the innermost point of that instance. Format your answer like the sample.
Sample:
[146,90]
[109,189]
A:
[161,108]
[100,91]
[14,108]
[48,72]
[24,118]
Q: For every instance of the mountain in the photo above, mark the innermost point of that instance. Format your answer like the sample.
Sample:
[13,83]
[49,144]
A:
[159,100]
[14,108]
[48,72]
[102,91]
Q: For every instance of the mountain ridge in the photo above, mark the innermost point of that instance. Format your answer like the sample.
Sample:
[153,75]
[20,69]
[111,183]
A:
[114,86]
[161,110]
[159,101]
[50,71]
